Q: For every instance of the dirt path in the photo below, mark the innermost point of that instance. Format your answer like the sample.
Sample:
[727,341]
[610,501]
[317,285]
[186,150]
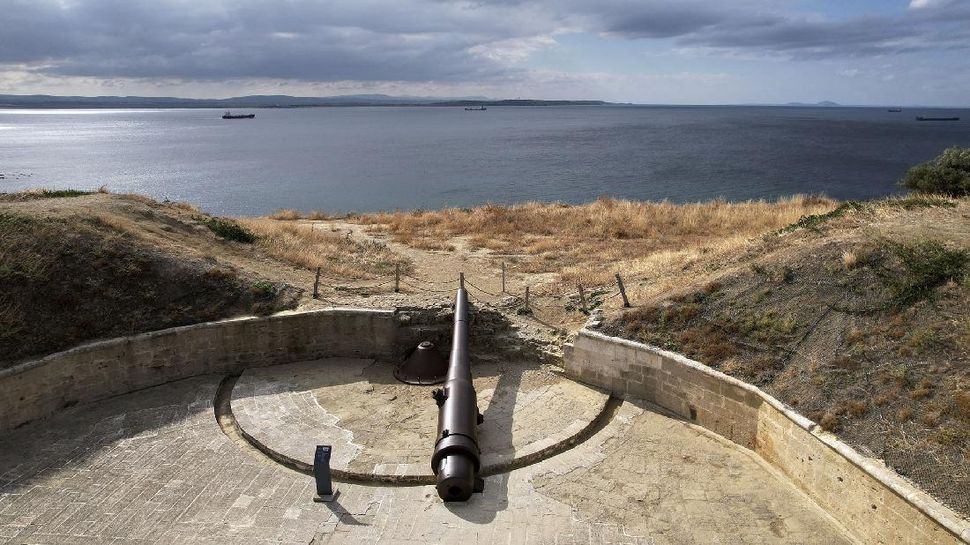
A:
[433,278]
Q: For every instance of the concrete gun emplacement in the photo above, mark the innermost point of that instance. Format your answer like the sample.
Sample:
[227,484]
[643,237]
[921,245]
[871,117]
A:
[457,458]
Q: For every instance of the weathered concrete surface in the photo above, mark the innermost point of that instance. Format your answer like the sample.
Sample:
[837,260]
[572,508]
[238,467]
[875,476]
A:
[378,425]
[97,370]
[154,467]
[874,503]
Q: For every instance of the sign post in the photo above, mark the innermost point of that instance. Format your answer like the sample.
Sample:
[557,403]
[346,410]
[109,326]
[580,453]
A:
[321,471]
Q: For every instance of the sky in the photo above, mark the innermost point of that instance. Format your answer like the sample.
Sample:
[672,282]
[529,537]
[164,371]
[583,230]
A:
[878,52]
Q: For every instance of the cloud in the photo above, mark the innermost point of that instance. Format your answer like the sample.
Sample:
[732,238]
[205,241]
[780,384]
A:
[291,39]
[444,41]
[920,4]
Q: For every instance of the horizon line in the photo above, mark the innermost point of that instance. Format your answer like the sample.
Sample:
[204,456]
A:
[429,100]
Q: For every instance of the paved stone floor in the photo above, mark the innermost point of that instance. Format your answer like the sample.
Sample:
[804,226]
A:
[154,467]
[381,426]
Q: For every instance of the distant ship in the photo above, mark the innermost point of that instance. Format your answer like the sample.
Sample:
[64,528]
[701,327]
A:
[894,110]
[481,108]
[925,118]
[230,115]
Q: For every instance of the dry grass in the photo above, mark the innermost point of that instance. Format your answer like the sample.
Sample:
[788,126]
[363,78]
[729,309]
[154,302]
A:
[184,206]
[811,315]
[856,408]
[829,421]
[88,274]
[850,260]
[961,402]
[335,254]
[425,243]
[587,243]
[285,215]
[288,214]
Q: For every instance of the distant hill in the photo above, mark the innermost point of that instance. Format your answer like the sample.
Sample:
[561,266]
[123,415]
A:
[265,101]
[520,102]
[822,103]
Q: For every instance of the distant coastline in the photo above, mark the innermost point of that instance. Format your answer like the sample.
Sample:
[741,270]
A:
[267,101]
[41,102]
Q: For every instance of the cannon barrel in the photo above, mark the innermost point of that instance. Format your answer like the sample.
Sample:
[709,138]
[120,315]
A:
[457,459]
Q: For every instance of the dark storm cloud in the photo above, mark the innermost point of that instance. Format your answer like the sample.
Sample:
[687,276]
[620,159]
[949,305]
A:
[417,40]
[214,40]
[862,37]
[758,29]
[653,19]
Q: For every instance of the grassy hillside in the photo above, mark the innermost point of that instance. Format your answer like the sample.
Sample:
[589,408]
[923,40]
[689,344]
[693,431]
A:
[856,314]
[859,318]
[588,243]
[76,267]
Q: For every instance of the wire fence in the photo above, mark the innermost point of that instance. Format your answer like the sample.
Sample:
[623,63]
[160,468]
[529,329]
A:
[544,308]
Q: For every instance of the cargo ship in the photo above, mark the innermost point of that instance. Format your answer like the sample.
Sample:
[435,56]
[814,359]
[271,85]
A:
[925,118]
[230,115]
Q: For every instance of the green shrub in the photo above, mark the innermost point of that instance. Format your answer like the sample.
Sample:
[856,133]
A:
[56,193]
[913,202]
[814,221]
[229,230]
[948,174]
[263,289]
[926,265]
[36,194]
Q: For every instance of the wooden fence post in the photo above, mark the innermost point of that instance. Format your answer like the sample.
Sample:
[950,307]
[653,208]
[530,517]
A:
[503,277]
[619,282]
[582,299]
[397,278]
[527,297]
[316,285]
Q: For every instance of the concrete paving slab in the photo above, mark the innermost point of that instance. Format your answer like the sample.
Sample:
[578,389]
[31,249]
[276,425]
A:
[154,467]
[380,426]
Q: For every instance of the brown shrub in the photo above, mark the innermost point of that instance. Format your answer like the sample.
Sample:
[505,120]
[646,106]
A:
[850,260]
[924,389]
[642,314]
[707,344]
[829,421]
[932,417]
[920,392]
[764,364]
[961,402]
[885,397]
[712,287]
[845,362]
[285,215]
[855,335]
[856,408]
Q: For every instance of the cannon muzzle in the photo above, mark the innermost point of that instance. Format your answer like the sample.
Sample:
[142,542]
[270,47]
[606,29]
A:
[457,459]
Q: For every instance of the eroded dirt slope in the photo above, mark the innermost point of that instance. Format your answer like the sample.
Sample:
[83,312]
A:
[860,319]
[79,268]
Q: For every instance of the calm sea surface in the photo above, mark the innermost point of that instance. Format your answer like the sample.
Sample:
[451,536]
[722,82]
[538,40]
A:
[346,159]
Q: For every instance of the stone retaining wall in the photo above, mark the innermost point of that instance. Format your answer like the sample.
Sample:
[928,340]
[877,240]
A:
[873,503]
[94,371]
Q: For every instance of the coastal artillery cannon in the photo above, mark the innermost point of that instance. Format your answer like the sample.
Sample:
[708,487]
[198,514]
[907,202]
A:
[457,458]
